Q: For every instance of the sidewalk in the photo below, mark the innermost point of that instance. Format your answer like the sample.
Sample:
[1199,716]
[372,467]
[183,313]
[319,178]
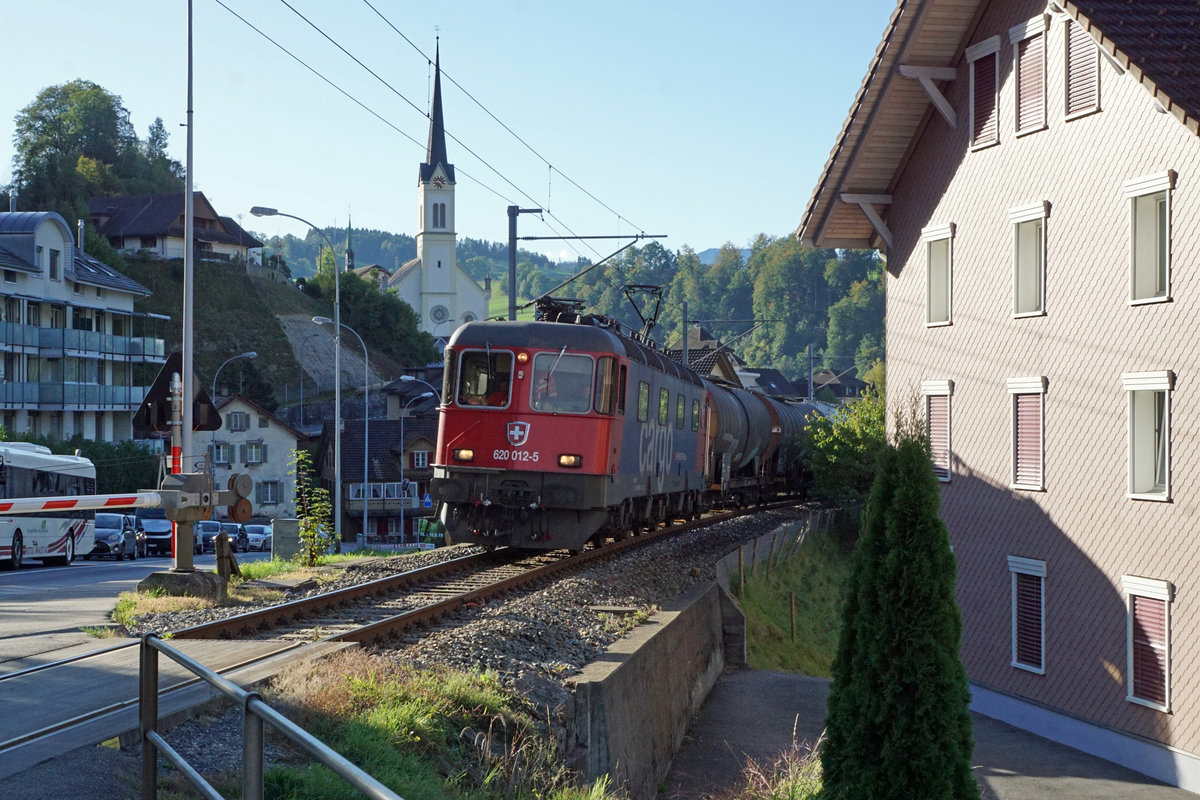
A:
[753,714]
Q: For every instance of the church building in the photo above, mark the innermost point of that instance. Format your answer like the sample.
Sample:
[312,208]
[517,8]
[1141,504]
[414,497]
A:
[443,294]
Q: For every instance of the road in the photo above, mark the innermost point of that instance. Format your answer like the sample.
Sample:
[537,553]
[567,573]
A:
[42,609]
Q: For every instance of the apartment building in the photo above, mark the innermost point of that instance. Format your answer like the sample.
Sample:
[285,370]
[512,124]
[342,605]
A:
[71,344]
[1032,173]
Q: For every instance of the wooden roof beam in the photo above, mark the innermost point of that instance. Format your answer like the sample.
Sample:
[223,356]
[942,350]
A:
[867,203]
[927,75]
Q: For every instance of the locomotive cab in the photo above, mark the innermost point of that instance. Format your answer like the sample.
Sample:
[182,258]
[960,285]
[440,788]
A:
[530,436]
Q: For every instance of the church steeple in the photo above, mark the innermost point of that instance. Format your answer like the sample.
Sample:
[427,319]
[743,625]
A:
[435,153]
[349,247]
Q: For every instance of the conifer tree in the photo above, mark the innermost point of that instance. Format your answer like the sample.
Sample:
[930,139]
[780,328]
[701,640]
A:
[898,723]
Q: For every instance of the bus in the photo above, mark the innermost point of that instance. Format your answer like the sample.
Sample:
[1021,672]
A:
[53,537]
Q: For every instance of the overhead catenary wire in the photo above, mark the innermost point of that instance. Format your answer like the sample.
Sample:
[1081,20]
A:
[500,122]
[399,94]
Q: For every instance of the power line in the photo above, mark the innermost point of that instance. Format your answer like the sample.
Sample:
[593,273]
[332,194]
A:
[500,122]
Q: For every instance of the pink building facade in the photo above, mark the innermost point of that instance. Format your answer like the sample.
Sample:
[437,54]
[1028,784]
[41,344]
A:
[1032,173]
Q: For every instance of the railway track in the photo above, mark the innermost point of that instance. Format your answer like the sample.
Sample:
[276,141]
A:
[386,607]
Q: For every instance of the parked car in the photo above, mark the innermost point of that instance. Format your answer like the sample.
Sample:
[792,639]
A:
[237,536]
[116,537]
[206,531]
[259,536]
[154,522]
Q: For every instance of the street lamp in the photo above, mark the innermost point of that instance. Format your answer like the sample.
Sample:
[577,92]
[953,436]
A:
[436,393]
[366,416]
[212,468]
[404,450]
[263,211]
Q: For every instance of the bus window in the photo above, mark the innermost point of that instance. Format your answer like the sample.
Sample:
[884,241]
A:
[561,382]
[483,378]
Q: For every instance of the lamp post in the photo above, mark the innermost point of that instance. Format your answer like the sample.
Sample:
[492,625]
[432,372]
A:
[264,211]
[213,466]
[436,393]
[366,417]
[404,450]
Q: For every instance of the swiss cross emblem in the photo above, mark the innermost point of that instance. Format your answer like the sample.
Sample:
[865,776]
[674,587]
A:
[518,433]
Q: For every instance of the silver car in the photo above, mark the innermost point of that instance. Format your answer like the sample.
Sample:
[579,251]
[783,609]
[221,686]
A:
[259,536]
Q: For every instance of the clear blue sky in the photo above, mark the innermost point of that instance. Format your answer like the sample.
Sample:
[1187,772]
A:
[709,122]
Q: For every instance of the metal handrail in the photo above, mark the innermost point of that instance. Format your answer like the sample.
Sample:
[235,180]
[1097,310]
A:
[254,713]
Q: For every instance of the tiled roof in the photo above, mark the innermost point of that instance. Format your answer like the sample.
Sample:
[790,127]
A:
[157,215]
[768,381]
[95,272]
[1157,38]
[11,260]
[384,444]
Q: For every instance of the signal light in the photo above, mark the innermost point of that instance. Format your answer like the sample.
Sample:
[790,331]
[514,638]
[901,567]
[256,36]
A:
[464,454]
[571,461]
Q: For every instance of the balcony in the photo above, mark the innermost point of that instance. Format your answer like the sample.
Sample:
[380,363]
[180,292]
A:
[384,497]
[57,342]
[70,396]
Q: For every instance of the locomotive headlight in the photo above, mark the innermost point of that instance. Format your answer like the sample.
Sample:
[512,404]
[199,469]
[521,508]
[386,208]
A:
[522,358]
[464,454]
[569,460]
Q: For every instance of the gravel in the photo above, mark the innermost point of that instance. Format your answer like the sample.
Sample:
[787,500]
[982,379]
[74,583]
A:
[534,641]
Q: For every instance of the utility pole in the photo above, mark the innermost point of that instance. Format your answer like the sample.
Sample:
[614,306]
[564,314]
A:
[512,255]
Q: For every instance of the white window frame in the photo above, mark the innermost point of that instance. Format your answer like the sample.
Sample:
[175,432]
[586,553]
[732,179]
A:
[1028,566]
[1140,417]
[1150,200]
[270,492]
[218,449]
[1026,386]
[1152,589]
[988,48]
[941,388]
[1038,26]
[253,449]
[930,236]
[1021,218]
[420,459]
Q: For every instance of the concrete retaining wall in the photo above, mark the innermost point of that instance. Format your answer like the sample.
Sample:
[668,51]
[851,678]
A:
[632,706]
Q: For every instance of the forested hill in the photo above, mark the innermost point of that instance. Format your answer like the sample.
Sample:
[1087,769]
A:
[391,250]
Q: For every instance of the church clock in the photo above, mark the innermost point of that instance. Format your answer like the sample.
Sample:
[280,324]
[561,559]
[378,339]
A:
[439,182]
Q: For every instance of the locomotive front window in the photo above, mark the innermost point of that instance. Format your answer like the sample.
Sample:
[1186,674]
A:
[561,382]
[483,378]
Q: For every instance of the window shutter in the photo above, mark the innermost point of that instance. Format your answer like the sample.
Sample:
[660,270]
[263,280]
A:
[938,410]
[229,421]
[1031,104]
[1028,612]
[985,100]
[242,450]
[264,452]
[1027,466]
[260,493]
[1149,649]
[1083,71]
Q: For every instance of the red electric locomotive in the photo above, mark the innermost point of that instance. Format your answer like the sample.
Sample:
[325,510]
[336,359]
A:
[554,433]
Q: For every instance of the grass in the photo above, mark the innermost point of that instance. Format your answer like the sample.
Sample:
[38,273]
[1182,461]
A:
[131,605]
[100,631]
[816,576]
[794,775]
[431,733]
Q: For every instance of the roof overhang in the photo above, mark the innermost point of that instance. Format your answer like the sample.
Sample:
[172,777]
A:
[899,96]
[921,50]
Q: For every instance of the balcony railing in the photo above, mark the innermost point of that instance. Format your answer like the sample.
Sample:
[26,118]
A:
[63,339]
[70,396]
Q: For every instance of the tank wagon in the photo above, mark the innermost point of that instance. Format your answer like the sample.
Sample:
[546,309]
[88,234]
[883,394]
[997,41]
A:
[552,433]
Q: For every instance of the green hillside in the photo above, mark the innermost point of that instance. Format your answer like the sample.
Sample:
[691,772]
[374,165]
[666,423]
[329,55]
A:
[234,313]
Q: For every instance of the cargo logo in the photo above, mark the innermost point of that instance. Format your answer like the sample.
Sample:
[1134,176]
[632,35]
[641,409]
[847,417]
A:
[518,433]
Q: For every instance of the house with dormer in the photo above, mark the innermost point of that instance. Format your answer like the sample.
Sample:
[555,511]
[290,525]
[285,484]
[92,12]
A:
[1032,172]
[154,224]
